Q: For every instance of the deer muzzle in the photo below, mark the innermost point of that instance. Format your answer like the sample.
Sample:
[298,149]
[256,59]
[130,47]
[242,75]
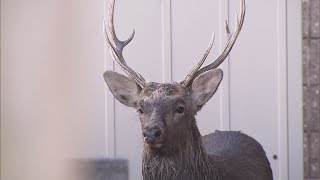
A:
[153,136]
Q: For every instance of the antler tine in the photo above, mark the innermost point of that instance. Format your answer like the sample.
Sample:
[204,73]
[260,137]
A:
[194,70]
[117,47]
[232,39]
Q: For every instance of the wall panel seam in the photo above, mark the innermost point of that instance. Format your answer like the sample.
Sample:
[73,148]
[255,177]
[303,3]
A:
[166,41]
[225,88]
[282,88]
[295,123]
[109,101]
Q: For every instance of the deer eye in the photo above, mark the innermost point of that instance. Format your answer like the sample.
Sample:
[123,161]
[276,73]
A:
[140,107]
[140,111]
[180,110]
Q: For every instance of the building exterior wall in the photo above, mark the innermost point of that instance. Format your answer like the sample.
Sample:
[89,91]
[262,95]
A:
[311,86]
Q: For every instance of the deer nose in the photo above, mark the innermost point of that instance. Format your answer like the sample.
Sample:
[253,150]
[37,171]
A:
[151,134]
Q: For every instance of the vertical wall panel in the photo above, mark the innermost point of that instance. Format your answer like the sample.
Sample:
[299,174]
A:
[166,41]
[225,85]
[257,84]
[295,120]
[83,66]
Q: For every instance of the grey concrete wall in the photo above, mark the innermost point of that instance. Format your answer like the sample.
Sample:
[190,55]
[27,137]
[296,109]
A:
[311,85]
[100,169]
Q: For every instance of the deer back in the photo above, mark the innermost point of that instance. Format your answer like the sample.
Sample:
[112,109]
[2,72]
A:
[243,155]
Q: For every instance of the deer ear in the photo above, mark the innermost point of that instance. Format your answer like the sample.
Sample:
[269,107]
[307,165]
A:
[205,85]
[123,88]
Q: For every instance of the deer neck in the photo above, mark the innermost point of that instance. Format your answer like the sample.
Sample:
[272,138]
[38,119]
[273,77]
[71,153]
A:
[187,160]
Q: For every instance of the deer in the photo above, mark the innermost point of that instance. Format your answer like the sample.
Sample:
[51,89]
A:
[173,147]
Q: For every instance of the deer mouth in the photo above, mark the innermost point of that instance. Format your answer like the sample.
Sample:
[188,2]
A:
[156,144]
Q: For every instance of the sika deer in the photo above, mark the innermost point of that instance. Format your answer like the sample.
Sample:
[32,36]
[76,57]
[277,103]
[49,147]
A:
[173,146]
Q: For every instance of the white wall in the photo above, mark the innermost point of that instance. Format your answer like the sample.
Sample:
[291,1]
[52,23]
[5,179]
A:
[55,104]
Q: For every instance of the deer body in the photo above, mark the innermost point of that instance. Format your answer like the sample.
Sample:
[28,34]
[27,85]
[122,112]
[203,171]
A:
[244,156]
[173,146]
[215,161]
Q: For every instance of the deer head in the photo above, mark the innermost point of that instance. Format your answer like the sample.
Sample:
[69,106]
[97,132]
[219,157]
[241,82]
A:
[166,110]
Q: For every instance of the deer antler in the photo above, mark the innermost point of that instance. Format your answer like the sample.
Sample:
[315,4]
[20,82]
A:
[232,39]
[117,47]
